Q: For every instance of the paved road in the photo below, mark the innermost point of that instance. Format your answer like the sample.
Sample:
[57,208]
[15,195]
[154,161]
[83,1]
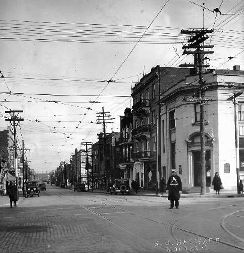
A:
[61,220]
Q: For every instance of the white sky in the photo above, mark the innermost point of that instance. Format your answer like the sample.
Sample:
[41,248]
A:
[51,130]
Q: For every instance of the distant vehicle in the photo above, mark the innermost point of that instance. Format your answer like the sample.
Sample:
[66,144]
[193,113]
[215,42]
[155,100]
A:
[31,189]
[80,187]
[120,186]
[42,186]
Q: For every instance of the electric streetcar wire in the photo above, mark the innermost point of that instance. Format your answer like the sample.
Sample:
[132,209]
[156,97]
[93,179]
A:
[133,48]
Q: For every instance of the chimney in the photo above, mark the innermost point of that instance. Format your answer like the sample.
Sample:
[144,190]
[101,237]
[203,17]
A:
[236,67]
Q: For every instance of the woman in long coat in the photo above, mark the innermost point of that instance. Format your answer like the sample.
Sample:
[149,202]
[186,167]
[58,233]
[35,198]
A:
[12,193]
[217,183]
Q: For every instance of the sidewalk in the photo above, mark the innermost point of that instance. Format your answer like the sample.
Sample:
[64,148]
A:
[223,194]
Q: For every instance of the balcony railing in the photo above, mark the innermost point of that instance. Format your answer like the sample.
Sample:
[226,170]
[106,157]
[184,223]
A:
[143,103]
[144,155]
[141,112]
[141,129]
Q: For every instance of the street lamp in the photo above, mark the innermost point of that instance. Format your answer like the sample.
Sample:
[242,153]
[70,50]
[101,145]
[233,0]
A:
[233,99]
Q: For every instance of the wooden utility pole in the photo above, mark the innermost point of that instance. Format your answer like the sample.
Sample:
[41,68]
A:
[196,42]
[105,118]
[13,121]
[87,163]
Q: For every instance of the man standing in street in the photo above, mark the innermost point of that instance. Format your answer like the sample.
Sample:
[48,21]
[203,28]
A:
[174,187]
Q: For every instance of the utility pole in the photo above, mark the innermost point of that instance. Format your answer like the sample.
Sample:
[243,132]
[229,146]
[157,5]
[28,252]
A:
[87,162]
[13,121]
[196,42]
[105,118]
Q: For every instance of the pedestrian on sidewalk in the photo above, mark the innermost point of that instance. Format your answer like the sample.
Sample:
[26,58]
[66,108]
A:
[174,188]
[241,187]
[217,183]
[12,192]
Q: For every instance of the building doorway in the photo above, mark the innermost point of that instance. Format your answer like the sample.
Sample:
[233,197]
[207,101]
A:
[197,174]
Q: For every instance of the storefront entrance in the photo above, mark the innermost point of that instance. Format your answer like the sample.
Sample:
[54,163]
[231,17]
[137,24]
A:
[196,155]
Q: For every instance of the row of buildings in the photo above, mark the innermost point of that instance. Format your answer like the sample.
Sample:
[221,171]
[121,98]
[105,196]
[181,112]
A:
[12,161]
[162,132]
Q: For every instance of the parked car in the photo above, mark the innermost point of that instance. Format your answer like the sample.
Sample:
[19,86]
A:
[31,189]
[80,187]
[42,186]
[120,186]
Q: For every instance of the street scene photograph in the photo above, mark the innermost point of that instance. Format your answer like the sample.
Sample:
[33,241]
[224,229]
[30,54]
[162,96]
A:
[121,126]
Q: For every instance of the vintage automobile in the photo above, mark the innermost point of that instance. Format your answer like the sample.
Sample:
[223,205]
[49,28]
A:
[120,186]
[42,186]
[31,189]
[80,187]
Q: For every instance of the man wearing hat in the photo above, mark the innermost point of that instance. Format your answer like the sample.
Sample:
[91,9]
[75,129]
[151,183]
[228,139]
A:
[174,187]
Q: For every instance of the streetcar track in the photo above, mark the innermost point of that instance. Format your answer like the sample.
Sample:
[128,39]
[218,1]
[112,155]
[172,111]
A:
[172,224]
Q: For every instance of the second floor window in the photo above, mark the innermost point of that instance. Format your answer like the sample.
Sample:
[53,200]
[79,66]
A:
[241,130]
[153,91]
[197,113]
[172,119]
[241,111]
[153,117]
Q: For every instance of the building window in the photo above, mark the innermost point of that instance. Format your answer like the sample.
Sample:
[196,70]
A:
[154,143]
[148,120]
[163,137]
[136,123]
[147,95]
[197,112]
[154,117]
[172,119]
[241,111]
[241,130]
[153,91]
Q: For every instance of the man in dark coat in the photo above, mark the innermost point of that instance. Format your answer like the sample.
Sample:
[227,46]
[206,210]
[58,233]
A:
[12,193]
[174,187]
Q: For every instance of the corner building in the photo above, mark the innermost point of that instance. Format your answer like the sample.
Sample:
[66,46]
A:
[223,127]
